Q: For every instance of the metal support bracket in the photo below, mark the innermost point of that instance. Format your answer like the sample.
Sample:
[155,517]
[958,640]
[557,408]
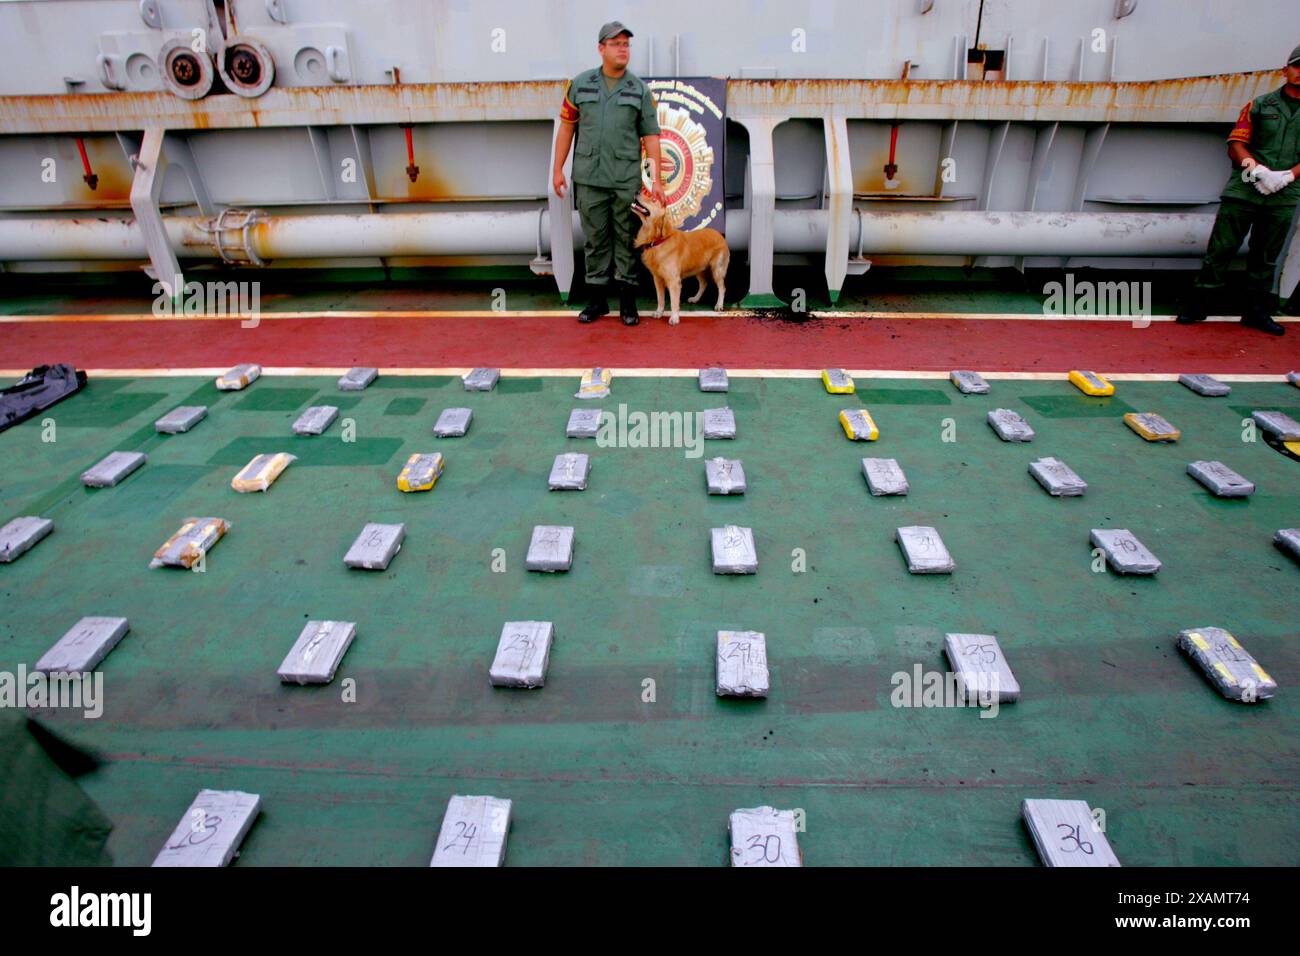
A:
[839,174]
[560,209]
[146,189]
[1044,137]
[760,201]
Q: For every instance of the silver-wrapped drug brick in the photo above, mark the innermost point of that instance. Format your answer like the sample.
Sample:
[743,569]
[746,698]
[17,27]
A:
[742,664]
[1205,385]
[19,535]
[191,543]
[315,420]
[453,422]
[1277,423]
[985,674]
[733,550]
[112,468]
[239,377]
[1124,552]
[1220,479]
[569,472]
[714,379]
[719,423]
[583,423]
[375,546]
[356,379]
[316,655]
[473,832]
[84,646]
[1009,425]
[481,379]
[969,383]
[1228,665]
[764,836]
[181,419]
[924,550]
[1057,477]
[724,476]
[1066,833]
[211,830]
[1288,539]
[884,476]
[523,654]
[551,548]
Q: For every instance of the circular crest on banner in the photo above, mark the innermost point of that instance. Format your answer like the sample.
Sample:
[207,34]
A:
[687,162]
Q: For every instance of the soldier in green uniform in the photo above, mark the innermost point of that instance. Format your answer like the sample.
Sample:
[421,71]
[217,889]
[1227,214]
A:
[613,116]
[1260,199]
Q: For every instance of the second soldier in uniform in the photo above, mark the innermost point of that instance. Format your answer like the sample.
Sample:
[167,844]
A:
[613,116]
[1260,198]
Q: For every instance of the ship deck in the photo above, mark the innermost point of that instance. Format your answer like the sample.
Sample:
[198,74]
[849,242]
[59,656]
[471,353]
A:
[1110,711]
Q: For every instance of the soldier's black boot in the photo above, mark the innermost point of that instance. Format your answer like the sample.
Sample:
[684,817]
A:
[596,307]
[1194,308]
[627,303]
[1259,314]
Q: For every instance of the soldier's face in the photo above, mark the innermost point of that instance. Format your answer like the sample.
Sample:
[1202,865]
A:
[1292,74]
[616,50]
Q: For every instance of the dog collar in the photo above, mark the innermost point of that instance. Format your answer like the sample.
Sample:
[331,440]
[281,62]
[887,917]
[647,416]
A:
[651,245]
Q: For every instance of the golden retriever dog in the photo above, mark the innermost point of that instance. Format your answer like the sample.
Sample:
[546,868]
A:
[671,256]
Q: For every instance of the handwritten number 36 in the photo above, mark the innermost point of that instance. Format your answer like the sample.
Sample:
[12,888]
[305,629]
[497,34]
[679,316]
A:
[1083,845]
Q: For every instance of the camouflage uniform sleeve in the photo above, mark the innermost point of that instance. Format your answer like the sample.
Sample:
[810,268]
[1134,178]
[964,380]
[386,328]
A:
[568,109]
[649,122]
[1244,129]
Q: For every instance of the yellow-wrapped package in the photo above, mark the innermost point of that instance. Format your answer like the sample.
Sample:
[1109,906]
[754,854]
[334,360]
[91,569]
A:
[1090,383]
[1151,426]
[837,381]
[260,473]
[188,546]
[420,472]
[858,425]
[594,384]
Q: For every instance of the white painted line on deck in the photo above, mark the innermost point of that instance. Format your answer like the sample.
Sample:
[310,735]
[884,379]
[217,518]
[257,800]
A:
[775,373]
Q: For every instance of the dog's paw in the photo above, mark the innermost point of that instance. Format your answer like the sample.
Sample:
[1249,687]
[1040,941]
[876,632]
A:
[673,320]
[659,313]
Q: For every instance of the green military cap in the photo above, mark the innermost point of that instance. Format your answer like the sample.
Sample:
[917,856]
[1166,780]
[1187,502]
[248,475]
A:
[1294,58]
[612,29]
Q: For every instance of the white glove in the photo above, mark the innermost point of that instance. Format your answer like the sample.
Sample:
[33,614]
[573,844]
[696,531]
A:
[1268,181]
[1251,172]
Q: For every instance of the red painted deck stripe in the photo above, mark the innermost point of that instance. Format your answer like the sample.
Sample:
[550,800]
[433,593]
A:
[535,341]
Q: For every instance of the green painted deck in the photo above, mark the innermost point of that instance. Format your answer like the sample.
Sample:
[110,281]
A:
[1110,712]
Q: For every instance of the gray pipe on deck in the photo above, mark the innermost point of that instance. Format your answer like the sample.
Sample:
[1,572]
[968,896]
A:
[958,233]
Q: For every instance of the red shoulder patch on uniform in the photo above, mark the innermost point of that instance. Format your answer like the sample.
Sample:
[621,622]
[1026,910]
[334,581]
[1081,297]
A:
[1242,131]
